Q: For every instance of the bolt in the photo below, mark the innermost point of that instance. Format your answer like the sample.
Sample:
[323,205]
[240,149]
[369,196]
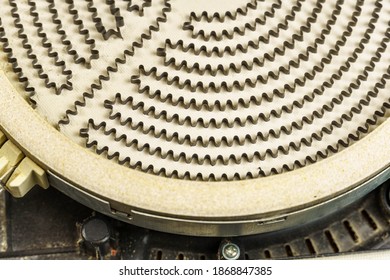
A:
[230,251]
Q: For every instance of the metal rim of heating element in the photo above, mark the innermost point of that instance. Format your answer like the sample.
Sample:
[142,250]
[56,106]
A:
[207,179]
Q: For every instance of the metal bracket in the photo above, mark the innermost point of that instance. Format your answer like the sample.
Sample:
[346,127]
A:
[18,173]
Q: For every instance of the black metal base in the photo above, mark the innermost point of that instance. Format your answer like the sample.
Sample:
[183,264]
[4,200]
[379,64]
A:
[48,225]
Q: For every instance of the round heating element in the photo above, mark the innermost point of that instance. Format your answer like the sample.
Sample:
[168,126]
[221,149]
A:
[215,117]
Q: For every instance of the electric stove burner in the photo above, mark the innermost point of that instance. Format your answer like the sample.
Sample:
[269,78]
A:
[203,118]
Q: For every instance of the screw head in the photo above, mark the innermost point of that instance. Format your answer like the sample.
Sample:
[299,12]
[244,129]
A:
[230,251]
